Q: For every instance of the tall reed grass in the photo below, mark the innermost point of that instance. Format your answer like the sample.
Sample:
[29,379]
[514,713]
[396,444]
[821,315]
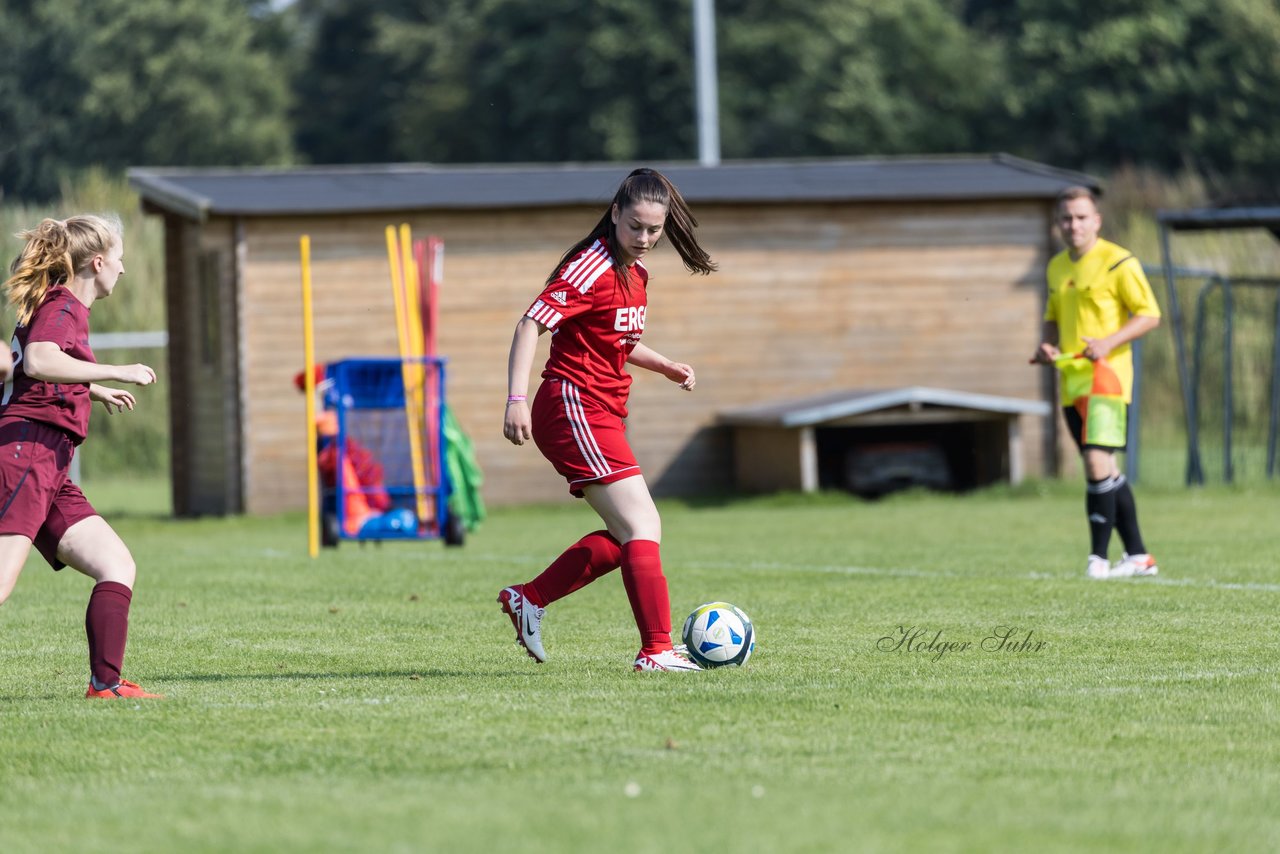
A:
[132,442]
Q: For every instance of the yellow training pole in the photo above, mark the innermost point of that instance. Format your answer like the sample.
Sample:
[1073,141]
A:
[401,262]
[309,389]
[397,294]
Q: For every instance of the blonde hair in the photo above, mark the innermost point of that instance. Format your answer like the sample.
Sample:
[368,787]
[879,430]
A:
[1078,191]
[55,251]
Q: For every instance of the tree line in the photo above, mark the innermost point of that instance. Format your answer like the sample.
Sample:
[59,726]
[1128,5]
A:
[1172,85]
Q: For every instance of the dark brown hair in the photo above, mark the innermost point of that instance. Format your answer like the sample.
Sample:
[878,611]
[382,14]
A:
[646,185]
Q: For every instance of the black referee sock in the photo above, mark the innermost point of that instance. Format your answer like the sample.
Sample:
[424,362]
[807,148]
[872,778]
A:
[1127,518]
[1100,504]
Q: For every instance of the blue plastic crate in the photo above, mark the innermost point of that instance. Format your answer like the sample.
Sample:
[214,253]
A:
[368,383]
[369,398]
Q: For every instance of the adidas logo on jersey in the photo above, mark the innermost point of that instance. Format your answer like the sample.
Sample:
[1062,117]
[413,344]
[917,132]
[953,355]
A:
[561,297]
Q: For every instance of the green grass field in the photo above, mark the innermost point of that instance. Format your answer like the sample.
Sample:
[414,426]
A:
[373,700]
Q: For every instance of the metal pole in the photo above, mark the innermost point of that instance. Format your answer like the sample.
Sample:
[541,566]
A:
[1197,362]
[1132,436]
[1228,401]
[1194,472]
[1274,420]
[708,99]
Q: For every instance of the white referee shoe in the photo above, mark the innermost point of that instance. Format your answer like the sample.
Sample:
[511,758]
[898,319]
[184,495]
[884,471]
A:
[1140,565]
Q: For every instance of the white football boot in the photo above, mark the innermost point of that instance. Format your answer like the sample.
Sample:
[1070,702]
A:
[668,660]
[527,618]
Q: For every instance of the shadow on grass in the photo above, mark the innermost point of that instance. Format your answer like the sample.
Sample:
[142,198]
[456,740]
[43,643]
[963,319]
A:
[158,681]
[824,498]
[429,673]
[117,515]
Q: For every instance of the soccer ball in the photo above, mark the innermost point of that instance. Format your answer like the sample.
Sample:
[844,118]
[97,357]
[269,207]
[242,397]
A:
[717,634]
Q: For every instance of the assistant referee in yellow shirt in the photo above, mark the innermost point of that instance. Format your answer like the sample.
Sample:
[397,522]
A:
[1099,302]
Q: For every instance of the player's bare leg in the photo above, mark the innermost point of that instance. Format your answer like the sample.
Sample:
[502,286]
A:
[14,549]
[627,509]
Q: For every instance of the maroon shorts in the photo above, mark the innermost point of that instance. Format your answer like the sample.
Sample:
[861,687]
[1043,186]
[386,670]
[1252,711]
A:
[37,500]
[586,443]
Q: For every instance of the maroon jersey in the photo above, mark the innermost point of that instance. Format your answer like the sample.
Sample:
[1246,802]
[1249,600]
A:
[62,320]
[595,323]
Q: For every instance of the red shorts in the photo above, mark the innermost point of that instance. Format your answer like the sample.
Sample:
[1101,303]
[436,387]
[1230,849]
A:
[585,443]
[37,500]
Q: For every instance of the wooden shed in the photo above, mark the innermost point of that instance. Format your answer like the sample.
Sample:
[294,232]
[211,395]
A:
[834,274]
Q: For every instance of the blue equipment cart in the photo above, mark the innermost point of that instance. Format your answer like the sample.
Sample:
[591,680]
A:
[373,489]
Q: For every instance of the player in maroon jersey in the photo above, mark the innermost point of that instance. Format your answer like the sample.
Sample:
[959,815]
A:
[64,267]
[594,305]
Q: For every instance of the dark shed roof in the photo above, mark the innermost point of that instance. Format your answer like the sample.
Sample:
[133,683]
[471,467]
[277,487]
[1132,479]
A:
[198,193]
[844,404]
[1199,219]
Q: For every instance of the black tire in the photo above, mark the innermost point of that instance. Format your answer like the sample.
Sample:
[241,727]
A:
[329,533]
[455,533]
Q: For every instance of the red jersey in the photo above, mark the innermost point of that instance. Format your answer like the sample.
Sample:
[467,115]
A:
[595,323]
[62,320]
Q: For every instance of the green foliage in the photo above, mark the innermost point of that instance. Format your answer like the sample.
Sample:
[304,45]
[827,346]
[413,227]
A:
[1167,84]
[507,81]
[839,78]
[116,83]
[343,82]
[373,699]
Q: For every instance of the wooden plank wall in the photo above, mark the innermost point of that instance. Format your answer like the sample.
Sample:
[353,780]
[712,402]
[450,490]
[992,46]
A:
[200,275]
[808,299]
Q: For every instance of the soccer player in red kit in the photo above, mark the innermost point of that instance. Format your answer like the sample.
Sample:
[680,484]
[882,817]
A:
[64,267]
[594,304]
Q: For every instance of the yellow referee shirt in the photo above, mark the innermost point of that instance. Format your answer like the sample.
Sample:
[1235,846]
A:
[1095,296]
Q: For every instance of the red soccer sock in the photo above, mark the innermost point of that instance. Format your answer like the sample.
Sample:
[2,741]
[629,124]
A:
[647,590]
[595,555]
[106,622]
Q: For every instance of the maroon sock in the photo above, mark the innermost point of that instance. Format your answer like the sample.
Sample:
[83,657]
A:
[106,622]
[647,590]
[591,557]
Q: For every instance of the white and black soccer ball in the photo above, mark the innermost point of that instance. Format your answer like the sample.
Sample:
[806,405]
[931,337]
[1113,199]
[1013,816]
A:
[719,634]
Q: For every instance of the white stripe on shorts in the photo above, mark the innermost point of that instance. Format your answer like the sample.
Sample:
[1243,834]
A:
[582,430]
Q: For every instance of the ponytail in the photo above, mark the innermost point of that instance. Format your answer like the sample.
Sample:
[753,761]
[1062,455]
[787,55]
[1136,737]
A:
[646,185]
[55,250]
